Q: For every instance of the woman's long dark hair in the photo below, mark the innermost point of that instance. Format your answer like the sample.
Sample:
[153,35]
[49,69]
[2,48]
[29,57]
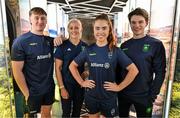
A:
[111,38]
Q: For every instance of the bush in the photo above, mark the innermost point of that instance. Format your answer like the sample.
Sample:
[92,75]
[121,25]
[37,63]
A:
[5,106]
[175,103]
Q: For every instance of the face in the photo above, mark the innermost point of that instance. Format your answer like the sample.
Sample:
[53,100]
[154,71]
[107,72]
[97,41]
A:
[101,30]
[38,22]
[138,25]
[75,30]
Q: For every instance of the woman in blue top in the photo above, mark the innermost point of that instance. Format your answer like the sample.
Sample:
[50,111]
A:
[71,93]
[102,58]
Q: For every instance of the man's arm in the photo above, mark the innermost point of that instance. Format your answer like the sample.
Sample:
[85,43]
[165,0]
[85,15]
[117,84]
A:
[59,40]
[17,67]
[159,67]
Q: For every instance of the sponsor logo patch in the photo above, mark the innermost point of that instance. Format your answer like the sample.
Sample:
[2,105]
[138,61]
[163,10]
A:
[32,44]
[105,65]
[92,54]
[69,49]
[146,47]
[39,57]
[82,48]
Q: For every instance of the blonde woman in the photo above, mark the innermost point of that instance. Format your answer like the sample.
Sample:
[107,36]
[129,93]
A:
[71,92]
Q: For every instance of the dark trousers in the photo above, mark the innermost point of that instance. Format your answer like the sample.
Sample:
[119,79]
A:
[141,109]
[72,106]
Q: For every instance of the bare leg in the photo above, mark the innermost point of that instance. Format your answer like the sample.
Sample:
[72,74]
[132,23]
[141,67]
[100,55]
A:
[97,115]
[46,111]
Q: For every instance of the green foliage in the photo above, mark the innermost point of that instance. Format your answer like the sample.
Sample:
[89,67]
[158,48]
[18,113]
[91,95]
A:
[5,106]
[175,103]
[176,87]
[177,71]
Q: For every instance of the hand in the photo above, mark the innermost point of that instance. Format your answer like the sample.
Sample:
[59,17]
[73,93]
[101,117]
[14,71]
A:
[85,74]
[64,93]
[58,40]
[111,86]
[88,84]
[26,97]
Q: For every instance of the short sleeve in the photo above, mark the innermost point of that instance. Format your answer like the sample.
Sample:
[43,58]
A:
[17,51]
[123,60]
[81,58]
[59,53]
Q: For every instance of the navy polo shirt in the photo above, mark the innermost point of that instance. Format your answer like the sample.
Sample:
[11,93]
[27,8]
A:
[67,52]
[102,65]
[148,54]
[37,53]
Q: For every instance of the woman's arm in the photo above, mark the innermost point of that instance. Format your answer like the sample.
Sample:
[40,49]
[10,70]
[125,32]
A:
[58,67]
[74,71]
[132,72]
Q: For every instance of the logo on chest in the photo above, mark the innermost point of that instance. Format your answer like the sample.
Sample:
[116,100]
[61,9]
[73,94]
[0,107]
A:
[146,48]
[33,44]
[40,57]
[92,54]
[82,48]
[105,65]
[69,49]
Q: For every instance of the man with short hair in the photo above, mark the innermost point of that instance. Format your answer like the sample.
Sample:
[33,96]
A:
[148,54]
[32,65]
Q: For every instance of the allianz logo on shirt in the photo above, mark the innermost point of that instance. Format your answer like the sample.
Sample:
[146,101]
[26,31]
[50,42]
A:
[105,65]
[44,56]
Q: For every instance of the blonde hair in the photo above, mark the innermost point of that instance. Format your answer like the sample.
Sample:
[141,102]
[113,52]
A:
[77,21]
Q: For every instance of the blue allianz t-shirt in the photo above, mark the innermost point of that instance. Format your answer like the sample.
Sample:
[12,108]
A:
[37,53]
[67,52]
[102,65]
